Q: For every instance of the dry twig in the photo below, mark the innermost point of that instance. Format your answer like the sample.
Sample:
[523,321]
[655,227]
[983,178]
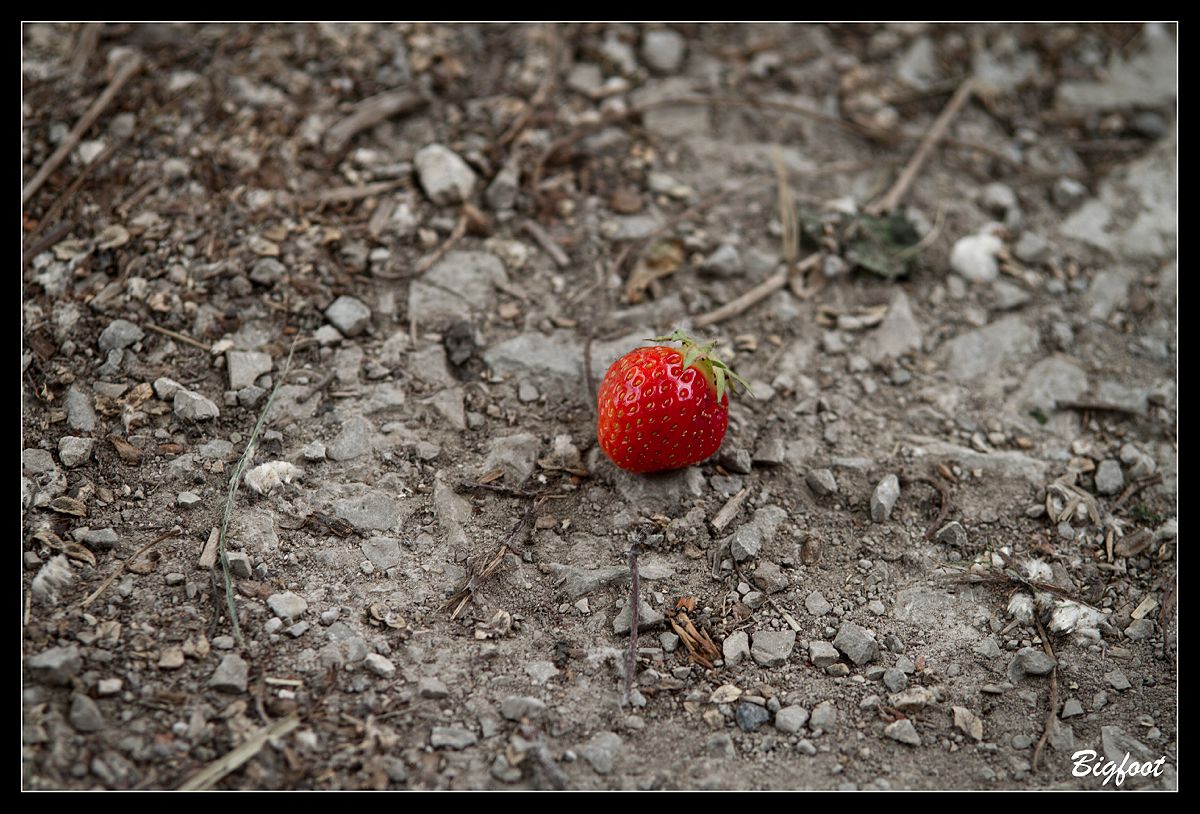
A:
[124,74]
[210,775]
[370,112]
[894,195]
[548,244]
[757,294]
[1052,714]
[121,568]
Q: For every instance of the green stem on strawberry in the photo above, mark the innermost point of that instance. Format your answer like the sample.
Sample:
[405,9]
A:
[701,357]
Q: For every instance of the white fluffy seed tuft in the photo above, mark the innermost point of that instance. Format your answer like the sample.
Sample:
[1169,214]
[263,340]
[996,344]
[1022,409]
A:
[267,477]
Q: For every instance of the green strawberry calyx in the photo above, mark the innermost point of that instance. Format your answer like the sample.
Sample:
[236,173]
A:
[702,358]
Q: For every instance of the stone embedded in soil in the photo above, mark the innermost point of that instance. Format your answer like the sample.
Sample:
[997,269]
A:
[244,367]
[770,452]
[192,406]
[750,716]
[57,665]
[602,750]
[383,552]
[374,509]
[119,334]
[821,482]
[979,352]
[459,284]
[85,715]
[903,731]
[735,459]
[856,644]
[444,176]
[239,564]
[231,675]
[99,538]
[749,539]
[379,665]
[432,687]
[353,441]
[883,500]
[287,605]
[974,257]
[80,413]
[516,707]
[822,654]
[824,716]
[349,315]
[816,604]
[38,461]
[73,451]
[725,261]
[736,647]
[501,194]
[770,577]
[771,648]
[663,50]
[895,680]
[791,719]
[1032,661]
[1117,680]
[451,737]
[541,671]
[1108,477]
[898,334]
[1072,708]
[515,454]
[166,388]
[648,617]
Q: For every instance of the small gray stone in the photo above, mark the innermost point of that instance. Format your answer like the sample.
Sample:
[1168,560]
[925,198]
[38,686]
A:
[1033,661]
[120,334]
[1006,296]
[770,452]
[1117,680]
[501,194]
[187,500]
[38,461]
[749,538]
[85,715]
[663,50]
[952,534]
[725,261]
[735,647]
[1140,629]
[805,747]
[735,460]
[817,604]
[451,737]
[349,315]
[791,719]
[239,564]
[444,176]
[771,648]
[884,498]
[432,687]
[770,577]
[192,406]
[903,731]
[974,257]
[601,751]
[856,644]
[1072,708]
[57,665]
[824,716]
[749,716]
[822,654]
[244,367]
[527,393]
[1068,193]
[231,675]
[1109,479]
[648,617]
[81,415]
[287,605]
[384,668]
[1032,248]
[313,451]
[104,539]
[299,629]
[267,271]
[895,680]
[73,451]
[516,707]
[721,745]
[383,552]
[353,441]
[216,450]
[515,454]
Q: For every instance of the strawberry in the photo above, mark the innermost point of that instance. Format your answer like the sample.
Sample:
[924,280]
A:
[664,408]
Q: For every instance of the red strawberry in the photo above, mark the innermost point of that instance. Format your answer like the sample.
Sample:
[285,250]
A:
[663,408]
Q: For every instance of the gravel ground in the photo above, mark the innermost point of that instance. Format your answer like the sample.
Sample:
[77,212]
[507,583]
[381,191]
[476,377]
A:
[936,551]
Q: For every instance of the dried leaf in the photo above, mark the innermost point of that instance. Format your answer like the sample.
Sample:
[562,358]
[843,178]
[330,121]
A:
[725,694]
[492,476]
[69,547]
[145,563]
[129,453]
[664,258]
[686,603]
[68,505]
[137,395]
[112,237]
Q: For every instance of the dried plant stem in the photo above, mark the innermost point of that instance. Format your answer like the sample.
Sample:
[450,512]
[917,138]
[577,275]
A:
[1050,716]
[126,72]
[634,598]
[121,568]
[755,295]
[234,480]
[892,199]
